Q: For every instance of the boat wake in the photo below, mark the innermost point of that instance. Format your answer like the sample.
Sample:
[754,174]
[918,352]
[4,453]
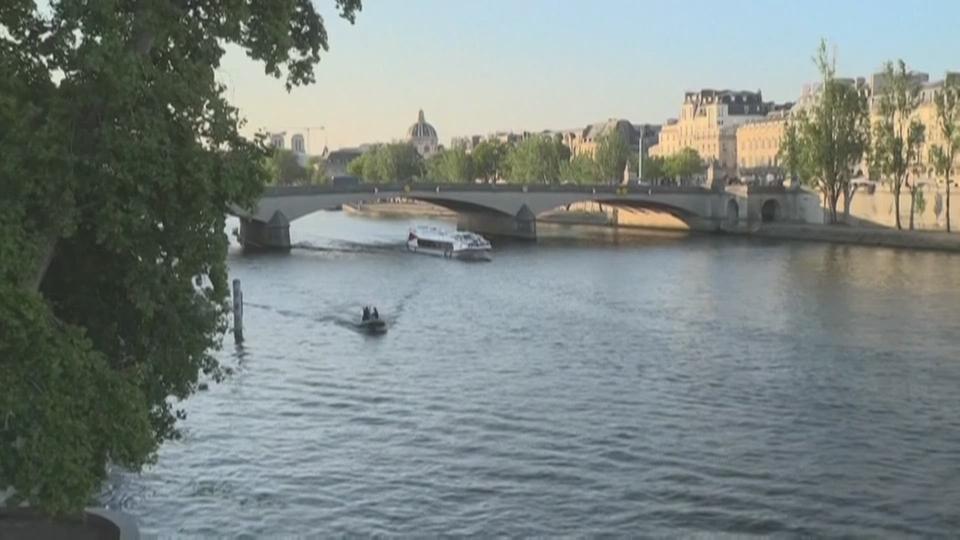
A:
[345,316]
[351,247]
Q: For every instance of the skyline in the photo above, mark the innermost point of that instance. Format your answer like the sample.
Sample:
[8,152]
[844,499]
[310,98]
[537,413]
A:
[547,64]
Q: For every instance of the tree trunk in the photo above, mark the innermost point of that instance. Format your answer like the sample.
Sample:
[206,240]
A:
[848,193]
[948,199]
[896,205]
[833,196]
[913,204]
[34,281]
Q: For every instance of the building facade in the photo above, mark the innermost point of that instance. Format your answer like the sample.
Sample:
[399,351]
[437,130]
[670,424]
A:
[579,141]
[926,114]
[758,148]
[708,124]
[584,141]
[338,160]
[278,140]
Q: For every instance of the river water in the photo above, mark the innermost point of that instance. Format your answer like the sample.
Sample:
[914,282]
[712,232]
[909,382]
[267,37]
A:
[624,384]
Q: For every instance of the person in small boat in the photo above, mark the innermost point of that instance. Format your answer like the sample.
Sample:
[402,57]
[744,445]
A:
[366,313]
[376,314]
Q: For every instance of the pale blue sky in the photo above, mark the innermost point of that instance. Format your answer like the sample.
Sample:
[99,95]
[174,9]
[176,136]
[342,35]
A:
[482,66]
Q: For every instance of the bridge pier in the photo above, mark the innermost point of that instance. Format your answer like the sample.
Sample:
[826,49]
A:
[273,235]
[522,226]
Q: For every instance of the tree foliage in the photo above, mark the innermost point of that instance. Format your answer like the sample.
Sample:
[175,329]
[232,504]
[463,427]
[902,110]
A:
[944,156]
[121,157]
[898,136]
[388,163]
[580,169]
[654,168]
[824,145]
[684,164]
[537,159]
[284,169]
[287,170]
[451,165]
[611,155]
[489,159]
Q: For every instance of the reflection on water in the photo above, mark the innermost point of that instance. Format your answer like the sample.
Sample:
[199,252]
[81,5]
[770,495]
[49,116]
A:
[645,385]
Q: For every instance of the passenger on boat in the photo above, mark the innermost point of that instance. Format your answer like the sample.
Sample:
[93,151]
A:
[366,313]
[376,314]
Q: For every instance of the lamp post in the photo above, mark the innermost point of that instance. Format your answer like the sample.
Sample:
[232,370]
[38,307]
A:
[640,160]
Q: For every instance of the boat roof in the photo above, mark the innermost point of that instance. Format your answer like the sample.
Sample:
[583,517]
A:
[433,230]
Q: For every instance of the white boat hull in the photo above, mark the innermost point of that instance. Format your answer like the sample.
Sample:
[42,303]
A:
[460,254]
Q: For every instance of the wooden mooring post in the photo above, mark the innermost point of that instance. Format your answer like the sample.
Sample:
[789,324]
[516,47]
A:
[237,312]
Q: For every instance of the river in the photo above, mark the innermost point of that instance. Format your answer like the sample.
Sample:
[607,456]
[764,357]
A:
[617,383]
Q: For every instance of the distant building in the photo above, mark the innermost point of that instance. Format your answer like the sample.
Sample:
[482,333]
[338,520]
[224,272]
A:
[810,92]
[879,83]
[584,141]
[339,160]
[278,140]
[297,144]
[580,140]
[299,149]
[423,137]
[758,148]
[469,142]
[926,114]
[708,124]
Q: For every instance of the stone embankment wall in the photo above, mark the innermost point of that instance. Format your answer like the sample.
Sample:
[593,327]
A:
[877,209]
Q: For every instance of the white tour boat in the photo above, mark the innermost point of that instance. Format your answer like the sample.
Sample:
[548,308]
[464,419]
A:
[463,245]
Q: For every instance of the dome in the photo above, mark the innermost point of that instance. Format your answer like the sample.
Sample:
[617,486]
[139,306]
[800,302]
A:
[421,130]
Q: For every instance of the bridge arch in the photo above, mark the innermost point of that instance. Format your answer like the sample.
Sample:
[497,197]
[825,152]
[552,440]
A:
[640,213]
[508,210]
[770,211]
[732,216]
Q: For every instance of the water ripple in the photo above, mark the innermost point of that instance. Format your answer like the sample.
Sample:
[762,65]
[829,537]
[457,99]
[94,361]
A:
[692,387]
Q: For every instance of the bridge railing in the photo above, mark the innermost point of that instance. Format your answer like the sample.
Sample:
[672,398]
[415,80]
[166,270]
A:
[282,191]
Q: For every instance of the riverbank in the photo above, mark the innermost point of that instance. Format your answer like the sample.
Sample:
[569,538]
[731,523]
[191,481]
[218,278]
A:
[862,236]
[836,234]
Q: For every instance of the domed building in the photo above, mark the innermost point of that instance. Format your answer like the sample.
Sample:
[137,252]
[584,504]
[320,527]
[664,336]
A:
[423,137]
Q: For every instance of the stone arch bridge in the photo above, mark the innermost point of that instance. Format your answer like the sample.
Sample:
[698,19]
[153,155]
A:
[512,210]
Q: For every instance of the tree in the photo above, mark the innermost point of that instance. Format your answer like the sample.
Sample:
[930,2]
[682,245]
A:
[287,169]
[400,162]
[611,155]
[944,157]
[684,164]
[388,163]
[654,168]
[362,166]
[488,159]
[121,159]
[580,169]
[537,159]
[897,135]
[451,165]
[317,170]
[823,145]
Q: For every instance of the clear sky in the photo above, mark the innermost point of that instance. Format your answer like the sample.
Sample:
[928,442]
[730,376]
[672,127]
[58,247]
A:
[476,67]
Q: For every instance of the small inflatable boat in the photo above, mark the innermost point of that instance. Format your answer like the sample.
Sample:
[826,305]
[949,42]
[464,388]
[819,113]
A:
[373,326]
